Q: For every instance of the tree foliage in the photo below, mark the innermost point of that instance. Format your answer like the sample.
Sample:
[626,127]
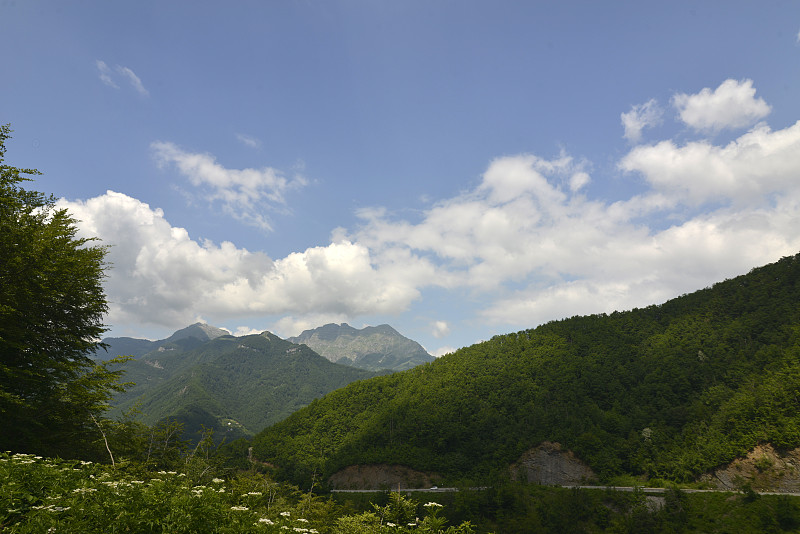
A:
[51,309]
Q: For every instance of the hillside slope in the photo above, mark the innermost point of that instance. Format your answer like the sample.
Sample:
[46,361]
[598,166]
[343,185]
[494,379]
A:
[235,385]
[667,391]
[373,347]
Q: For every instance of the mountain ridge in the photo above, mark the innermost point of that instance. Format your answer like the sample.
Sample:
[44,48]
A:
[372,347]
[233,385]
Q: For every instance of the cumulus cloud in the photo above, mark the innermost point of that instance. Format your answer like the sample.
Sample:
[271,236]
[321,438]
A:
[245,331]
[496,233]
[731,105]
[757,164]
[244,193]
[162,276]
[440,329]
[106,73]
[640,117]
[538,251]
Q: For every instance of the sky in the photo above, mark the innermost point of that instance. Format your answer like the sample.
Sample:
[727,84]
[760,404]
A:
[454,168]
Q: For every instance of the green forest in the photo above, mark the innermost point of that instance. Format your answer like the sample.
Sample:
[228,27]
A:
[665,392]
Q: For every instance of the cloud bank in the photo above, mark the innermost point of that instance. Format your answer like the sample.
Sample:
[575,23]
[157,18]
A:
[526,243]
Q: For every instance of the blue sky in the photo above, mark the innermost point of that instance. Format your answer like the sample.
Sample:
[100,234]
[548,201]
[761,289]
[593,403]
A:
[456,169]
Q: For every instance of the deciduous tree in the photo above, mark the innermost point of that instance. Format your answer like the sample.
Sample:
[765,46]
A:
[52,305]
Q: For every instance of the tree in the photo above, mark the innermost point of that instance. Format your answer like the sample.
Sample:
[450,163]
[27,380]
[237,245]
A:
[51,309]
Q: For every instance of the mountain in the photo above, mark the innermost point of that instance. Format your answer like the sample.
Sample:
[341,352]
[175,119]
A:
[128,346]
[670,391]
[235,385]
[201,331]
[373,348]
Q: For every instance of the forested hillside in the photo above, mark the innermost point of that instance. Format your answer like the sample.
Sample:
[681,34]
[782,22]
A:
[667,391]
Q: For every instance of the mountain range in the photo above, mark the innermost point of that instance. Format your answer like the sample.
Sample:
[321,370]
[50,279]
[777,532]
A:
[201,376]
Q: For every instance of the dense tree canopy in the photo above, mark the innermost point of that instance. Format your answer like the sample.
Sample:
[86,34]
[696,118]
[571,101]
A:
[51,310]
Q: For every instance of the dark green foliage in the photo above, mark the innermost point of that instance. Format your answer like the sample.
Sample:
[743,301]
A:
[668,391]
[51,309]
[513,508]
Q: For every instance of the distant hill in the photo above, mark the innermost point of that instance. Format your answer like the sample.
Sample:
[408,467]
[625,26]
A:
[235,385]
[670,391]
[373,348]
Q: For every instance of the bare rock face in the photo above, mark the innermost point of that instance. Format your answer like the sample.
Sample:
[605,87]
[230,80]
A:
[764,468]
[548,464]
[381,477]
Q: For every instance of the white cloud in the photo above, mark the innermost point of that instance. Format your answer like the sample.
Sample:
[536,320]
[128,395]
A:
[245,331]
[661,265]
[640,117]
[162,276]
[133,79]
[248,140]
[731,105]
[244,194]
[535,251]
[106,73]
[759,163]
[578,180]
[440,329]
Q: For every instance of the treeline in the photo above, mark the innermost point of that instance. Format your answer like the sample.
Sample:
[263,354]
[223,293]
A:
[668,391]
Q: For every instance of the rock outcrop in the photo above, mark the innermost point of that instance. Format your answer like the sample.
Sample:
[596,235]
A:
[549,464]
[764,468]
